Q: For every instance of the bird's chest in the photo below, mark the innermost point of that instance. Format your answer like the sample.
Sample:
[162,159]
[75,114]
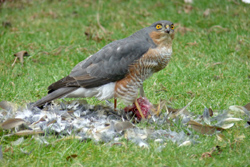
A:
[156,59]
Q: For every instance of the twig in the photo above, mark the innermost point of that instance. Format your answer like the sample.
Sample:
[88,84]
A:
[98,22]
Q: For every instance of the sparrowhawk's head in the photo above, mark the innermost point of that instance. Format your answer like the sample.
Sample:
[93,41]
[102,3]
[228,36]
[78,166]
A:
[162,32]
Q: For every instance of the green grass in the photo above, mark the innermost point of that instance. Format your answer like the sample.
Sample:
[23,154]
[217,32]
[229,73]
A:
[215,72]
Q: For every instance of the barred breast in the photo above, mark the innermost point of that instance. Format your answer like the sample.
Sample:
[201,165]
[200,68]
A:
[153,61]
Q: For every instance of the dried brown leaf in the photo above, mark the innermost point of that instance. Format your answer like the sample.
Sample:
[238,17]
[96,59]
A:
[7,149]
[180,111]
[12,123]
[183,30]
[204,129]
[188,8]
[192,43]
[247,106]
[213,150]
[71,157]
[211,113]
[220,137]
[6,24]
[20,55]
[218,29]
[206,13]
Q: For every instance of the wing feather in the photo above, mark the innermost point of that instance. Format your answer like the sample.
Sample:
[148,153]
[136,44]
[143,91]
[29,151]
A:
[109,64]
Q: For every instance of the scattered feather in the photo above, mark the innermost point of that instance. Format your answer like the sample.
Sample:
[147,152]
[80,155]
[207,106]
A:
[206,116]
[6,105]
[12,123]
[18,141]
[232,119]
[246,1]
[79,120]
[120,126]
[26,152]
[188,1]
[220,137]
[227,126]
[239,109]
[1,152]
[185,143]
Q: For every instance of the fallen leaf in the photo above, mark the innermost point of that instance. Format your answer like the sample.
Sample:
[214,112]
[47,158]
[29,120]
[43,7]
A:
[6,24]
[20,55]
[183,30]
[218,29]
[206,155]
[188,8]
[240,138]
[206,13]
[118,144]
[209,154]
[71,157]
[211,113]
[192,43]
[247,106]
[204,129]
[180,111]
[29,132]
[220,137]
[12,123]
[7,149]
[188,1]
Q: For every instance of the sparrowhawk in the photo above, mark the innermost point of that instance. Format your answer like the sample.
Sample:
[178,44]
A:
[119,68]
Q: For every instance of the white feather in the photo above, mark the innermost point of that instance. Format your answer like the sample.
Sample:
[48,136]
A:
[101,93]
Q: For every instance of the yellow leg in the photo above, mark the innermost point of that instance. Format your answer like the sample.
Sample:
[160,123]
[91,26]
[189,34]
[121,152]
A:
[139,109]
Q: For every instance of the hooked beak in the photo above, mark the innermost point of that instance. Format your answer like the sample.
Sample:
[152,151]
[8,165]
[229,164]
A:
[167,30]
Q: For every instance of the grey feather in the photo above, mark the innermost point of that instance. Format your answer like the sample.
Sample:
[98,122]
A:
[54,95]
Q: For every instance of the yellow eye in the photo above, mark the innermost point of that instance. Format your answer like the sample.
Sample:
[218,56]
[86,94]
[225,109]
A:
[172,27]
[158,26]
